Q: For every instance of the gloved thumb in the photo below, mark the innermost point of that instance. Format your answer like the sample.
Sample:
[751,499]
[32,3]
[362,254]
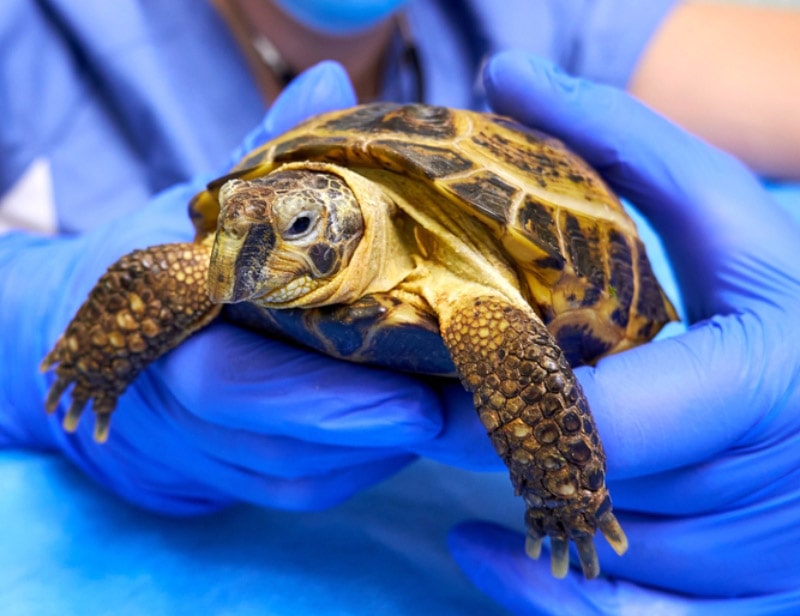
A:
[493,558]
[323,87]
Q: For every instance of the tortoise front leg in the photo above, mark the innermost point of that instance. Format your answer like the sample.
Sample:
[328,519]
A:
[144,305]
[537,417]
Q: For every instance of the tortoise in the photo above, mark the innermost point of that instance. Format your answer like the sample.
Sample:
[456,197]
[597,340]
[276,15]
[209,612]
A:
[418,237]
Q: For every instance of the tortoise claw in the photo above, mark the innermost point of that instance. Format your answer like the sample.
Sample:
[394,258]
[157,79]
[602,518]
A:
[102,404]
[559,556]
[533,545]
[54,395]
[70,372]
[102,422]
[563,528]
[73,416]
[609,525]
[587,555]
[559,553]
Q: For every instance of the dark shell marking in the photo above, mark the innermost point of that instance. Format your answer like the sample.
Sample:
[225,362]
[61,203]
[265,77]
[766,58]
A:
[410,121]
[487,192]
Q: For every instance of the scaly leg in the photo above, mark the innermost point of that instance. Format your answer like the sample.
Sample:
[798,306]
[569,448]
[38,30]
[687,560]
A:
[538,419]
[144,305]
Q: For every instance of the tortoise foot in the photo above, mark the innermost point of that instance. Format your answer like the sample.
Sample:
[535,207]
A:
[538,420]
[563,526]
[144,305]
[103,402]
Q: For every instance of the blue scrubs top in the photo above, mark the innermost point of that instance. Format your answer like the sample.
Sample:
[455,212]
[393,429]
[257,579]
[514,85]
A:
[106,103]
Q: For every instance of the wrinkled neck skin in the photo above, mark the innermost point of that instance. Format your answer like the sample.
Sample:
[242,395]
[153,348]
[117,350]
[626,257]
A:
[379,263]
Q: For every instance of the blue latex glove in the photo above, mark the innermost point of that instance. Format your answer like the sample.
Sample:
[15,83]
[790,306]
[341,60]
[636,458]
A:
[702,430]
[229,415]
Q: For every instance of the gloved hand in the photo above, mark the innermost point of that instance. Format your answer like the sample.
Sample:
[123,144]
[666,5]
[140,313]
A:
[701,430]
[229,415]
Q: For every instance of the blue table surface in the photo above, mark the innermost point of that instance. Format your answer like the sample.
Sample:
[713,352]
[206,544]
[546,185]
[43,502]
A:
[69,547]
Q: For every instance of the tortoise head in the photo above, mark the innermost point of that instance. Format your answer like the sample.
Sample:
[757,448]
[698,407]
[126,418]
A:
[282,236]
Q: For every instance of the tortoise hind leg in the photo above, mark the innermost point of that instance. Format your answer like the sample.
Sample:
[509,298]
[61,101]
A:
[537,417]
[144,305]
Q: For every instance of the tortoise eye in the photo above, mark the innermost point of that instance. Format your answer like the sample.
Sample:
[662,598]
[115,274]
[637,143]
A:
[299,226]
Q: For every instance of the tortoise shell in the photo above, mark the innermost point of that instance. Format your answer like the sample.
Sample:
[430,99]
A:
[579,260]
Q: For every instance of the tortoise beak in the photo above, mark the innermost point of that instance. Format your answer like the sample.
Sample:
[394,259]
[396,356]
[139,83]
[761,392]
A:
[239,263]
[222,270]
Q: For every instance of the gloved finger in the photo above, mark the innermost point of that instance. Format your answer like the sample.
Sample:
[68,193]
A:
[712,214]
[156,464]
[682,400]
[462,441]
[145,468]
[738,476]
[313,493]
[214,484]
[742,550]
[495,561]
[239,380]
[323,87]
[688,491]
[278,457]
[325,490]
